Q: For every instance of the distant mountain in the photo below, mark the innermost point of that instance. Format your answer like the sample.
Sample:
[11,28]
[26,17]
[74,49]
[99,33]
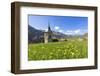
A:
[85,35]
[34,35]
[59,35]
[37,36]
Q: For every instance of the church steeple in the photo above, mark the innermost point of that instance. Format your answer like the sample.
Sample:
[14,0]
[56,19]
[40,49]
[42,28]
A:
[49,32]
[49,29]
[48,35]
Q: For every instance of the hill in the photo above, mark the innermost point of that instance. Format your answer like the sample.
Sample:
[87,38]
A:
[37,36]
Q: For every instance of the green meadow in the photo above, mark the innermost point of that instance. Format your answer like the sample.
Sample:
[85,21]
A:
[71,49]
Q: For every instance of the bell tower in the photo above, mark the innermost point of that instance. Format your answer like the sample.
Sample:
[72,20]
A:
[48,35]
[49,32]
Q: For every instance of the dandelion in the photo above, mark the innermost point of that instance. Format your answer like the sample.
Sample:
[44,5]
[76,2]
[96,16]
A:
[76,50]
[51,53]
[72,53]
[64,53]
[42,47]
[58,49]
[50,57]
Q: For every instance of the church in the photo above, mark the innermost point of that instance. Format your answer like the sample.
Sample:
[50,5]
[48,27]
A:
[48,35]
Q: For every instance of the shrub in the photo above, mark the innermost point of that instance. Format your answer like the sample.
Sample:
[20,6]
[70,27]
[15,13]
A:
[55,40]
[65,40]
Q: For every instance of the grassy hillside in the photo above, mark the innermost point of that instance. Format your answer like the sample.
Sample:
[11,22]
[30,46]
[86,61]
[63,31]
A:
[72,49]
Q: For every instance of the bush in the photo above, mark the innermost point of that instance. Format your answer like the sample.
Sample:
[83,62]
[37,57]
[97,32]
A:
[55,40]
[65,40]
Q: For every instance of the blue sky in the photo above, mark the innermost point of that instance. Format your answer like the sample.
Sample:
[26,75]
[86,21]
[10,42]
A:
[70,25]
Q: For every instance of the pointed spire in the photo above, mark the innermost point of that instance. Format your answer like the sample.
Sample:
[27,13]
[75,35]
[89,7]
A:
[49,29]
[48,25]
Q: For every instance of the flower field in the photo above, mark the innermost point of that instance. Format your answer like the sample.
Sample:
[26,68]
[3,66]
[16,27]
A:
[72,49]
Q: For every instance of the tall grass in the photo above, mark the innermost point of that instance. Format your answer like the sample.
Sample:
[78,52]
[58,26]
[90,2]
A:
[72,49]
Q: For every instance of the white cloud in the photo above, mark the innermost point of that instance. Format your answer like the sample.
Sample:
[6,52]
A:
[56,27]
[46,30]
[77,31]
[68,33]
[73,32]
[60,30]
